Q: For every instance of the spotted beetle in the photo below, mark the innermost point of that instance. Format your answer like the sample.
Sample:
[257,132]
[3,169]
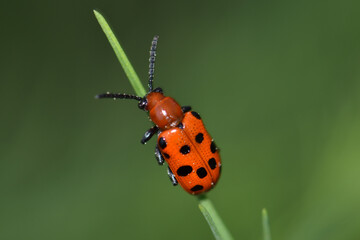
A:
[183,142]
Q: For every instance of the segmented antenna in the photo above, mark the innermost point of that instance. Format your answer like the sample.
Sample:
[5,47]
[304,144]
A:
[152,61]
[118,95]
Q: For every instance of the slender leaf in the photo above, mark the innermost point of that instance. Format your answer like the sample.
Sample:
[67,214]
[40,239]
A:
[120,54]
[266,226]
[217,226]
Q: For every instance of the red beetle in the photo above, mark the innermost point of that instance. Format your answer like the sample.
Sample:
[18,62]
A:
[183,142]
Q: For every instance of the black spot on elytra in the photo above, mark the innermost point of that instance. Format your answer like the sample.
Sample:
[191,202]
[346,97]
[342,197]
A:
[166,155]
[212,163]
[181,126]
[213,147]
[184,170]
[197,188]
[162,143]
[195,114]
[185,149]
[201,172]
[199,138]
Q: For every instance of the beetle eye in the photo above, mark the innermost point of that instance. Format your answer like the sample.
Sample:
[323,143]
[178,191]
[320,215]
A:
[142,104]
[159,90]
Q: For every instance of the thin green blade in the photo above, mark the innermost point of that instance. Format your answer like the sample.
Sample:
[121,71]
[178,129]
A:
[217,226]
[266,226]
[120,54]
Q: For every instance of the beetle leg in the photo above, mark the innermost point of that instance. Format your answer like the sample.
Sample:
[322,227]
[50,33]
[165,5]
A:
[159,157]
[172,177]
[149,133]
[185,109]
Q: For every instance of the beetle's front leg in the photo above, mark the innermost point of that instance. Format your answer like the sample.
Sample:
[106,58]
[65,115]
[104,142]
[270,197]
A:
[172,177]
[159,157]
[149,133]
[186,109]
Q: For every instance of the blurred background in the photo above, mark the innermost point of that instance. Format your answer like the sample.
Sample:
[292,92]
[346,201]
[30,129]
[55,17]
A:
[276,82]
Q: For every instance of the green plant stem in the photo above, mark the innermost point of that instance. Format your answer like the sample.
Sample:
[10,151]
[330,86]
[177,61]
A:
[266,226]
[120,54]
[217,226]
[206,207]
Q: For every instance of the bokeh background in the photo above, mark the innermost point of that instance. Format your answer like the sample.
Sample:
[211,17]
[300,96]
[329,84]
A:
[276,82]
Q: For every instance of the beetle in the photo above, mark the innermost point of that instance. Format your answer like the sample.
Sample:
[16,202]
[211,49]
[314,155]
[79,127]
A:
[183,141]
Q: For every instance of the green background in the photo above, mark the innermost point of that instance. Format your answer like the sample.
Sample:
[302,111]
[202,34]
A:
[276,82]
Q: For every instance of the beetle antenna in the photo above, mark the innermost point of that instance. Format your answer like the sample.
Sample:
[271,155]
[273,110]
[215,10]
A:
[118,95]
[152,61]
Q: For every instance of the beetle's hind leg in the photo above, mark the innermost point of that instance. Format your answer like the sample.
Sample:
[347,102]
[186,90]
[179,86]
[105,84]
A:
[172,177]
[159,157]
